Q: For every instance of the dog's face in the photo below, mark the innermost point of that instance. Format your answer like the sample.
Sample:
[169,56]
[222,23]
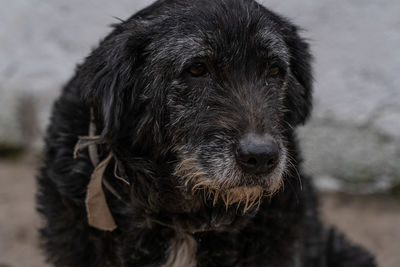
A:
[220,83]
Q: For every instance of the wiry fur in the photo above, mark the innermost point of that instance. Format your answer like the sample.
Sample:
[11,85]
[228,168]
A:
[196,180]
[183,199]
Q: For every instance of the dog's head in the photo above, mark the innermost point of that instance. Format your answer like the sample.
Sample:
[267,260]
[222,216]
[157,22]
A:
[219,85]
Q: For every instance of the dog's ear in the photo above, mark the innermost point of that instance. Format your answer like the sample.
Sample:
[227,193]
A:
[300,80]
[107,77]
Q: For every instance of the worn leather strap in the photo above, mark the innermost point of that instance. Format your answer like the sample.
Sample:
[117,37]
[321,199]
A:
[98,212]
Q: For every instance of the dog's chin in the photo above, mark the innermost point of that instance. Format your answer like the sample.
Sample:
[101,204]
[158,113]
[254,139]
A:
[244,192]
[244,198]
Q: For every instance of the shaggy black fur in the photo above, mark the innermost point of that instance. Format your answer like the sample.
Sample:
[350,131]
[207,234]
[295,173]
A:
[174,88]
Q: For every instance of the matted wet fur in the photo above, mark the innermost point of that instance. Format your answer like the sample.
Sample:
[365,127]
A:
[174,89]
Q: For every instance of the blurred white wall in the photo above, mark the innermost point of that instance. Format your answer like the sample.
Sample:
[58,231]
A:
[41,41]
[355,130]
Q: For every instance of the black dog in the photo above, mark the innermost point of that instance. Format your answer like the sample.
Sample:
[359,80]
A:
[190,106]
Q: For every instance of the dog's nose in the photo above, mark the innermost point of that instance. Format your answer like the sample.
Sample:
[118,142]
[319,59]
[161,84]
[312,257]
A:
[257,153]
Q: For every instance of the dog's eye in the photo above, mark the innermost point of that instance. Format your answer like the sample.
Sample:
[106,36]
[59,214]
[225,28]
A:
[198,69]
[274,71]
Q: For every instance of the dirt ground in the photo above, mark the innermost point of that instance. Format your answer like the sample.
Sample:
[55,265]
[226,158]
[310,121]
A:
[373,221]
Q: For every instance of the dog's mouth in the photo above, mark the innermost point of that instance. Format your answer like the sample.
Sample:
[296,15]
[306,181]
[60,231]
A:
[232,188]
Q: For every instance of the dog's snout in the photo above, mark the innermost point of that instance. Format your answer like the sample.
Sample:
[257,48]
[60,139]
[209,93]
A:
[257,153]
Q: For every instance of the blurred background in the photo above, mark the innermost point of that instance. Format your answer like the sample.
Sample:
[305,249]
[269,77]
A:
[351,145]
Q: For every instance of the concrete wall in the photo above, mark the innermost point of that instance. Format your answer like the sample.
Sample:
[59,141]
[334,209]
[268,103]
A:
[353,137]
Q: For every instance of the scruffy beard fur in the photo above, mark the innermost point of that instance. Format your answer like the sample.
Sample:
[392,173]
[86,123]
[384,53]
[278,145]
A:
[245,197]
